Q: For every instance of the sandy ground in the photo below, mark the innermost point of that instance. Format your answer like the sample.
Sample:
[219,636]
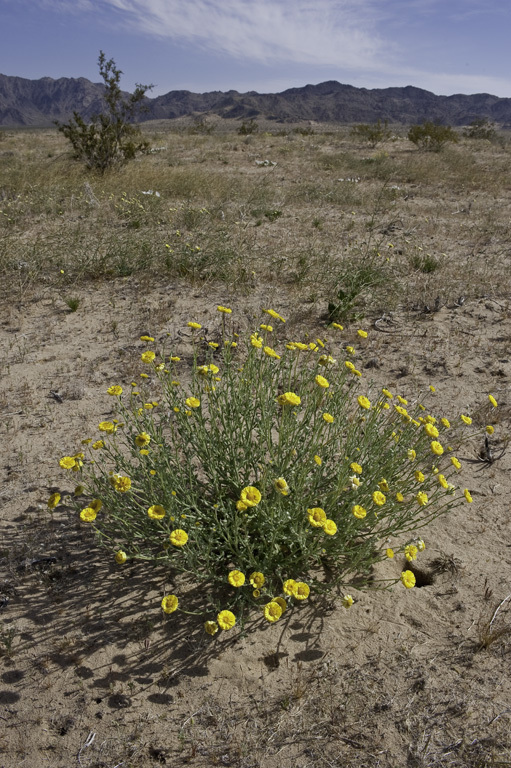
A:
[92,674]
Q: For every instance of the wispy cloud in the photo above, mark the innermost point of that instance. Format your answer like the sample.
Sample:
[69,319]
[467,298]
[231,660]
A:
[340,33]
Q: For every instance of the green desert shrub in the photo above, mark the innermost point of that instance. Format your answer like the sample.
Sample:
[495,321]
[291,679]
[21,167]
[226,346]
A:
[109,138]
[373,134]
[432,136]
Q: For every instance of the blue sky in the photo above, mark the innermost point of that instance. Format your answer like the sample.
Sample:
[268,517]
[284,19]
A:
[444,46]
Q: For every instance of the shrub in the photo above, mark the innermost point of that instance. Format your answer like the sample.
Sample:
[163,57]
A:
[270,476]
[481,128]
[109,138]
[373,134]
[248,128]
[432,136]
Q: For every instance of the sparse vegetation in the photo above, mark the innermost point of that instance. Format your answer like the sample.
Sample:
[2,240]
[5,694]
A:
[98,674]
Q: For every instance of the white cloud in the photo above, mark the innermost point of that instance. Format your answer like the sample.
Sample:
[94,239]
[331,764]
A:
[326,32]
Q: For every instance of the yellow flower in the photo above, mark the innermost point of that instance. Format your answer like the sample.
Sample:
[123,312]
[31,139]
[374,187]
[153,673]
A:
[267,328]
[359,512]
[250,496]
[321,382]
[226,620]
[272,611]
[445,422]
[114,390]
[225,310]
[147,357]
[106,426]
[121,484]
[383,485]
[436,448]
[408,579]
[256,579]
[281,486]
[363,402]
[339,327]
[492,401]
[347,601]
[67,462]
[156,512]
[256,340]
[281,602]
[419,476]
[289,398]
[318,460]
[390,553]
[327,360]
[430,430]
[466,419]
[53,500]
[443,482]
[363,334]
[399,497]
[411,552]
[432,388]
[355,482]
[356,467]
[120,557]
[211,627]
[98,444]
[142,440]
[301,590]
[411,454]
[241,506]
[146,338]
[289,586]
[88,514]
[96,505]
[421,545]
[467,495]
[79,490]
[330,527]
[387,394]
[271,353]
[195,326]
[192,402]
[349,365]
[328,418]
[455,462]
[350,350]
[317,517]
[422,498]
[379,498]
[402,400]
[274,314]
[169,603]
[236,578]
[489,429]
[178,537]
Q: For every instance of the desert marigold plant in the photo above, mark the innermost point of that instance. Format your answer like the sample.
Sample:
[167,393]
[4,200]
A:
[255,475]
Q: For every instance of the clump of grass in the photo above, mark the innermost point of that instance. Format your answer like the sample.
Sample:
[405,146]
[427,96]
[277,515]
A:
[7,636]
[488,631]
[427,264]
[273,474]
[73,302]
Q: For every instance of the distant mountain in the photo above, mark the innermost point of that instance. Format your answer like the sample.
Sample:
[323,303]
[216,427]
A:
[39,102]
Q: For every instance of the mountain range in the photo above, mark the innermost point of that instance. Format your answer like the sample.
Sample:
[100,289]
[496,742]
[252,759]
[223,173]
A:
[39,103]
